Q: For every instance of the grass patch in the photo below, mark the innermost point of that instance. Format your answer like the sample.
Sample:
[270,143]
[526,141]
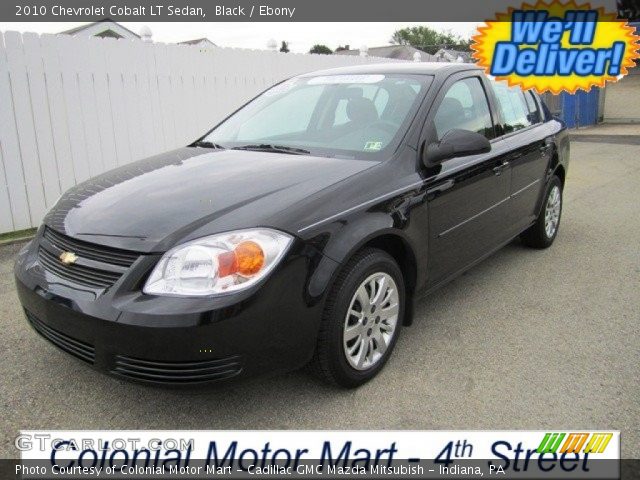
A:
[10,237]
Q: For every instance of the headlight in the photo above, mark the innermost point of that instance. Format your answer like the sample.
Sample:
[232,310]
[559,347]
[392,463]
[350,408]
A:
[218,264]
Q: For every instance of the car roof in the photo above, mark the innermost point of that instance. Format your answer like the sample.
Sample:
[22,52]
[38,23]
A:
[422,68]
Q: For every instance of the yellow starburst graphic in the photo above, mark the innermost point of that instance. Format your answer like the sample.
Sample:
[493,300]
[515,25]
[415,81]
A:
[608,30]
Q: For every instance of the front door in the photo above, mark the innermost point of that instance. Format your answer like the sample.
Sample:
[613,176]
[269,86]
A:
[467,196]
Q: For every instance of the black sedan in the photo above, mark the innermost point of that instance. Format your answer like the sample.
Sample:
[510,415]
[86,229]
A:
[299,230]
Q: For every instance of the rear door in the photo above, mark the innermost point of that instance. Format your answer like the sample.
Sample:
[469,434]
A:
[466,196]
[523,130]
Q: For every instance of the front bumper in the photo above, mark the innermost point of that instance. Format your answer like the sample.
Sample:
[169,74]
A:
[176,341]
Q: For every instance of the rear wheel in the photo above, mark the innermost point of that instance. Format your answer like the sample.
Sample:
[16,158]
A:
[361,321]
[542,233]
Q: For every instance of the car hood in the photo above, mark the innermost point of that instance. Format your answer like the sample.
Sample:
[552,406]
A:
[152,204]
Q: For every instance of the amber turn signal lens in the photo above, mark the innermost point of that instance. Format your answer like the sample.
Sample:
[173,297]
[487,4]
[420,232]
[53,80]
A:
[246,259]
[227,264]
[249,258]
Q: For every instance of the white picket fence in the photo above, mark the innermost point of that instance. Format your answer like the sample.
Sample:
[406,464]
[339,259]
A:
[71,108]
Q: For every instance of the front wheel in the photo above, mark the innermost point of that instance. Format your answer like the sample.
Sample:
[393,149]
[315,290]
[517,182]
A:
[542,233]
[361,321]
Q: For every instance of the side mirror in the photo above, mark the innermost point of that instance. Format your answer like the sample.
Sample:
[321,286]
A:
[456,143]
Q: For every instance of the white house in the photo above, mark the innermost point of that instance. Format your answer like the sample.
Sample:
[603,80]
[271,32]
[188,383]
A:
[111,29]
[103,28]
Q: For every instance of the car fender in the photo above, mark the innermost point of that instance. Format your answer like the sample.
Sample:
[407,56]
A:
[345,239]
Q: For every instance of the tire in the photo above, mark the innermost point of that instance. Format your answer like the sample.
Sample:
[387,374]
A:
[361,333]
[539,235]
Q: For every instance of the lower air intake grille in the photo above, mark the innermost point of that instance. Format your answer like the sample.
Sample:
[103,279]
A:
[178,372]
[79,349]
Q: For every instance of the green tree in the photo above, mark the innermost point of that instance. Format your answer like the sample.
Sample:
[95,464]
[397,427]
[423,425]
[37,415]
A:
[429,40]
[321,49]
[284,48]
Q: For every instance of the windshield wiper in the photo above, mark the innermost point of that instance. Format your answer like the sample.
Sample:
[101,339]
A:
[206,144]
[267,147]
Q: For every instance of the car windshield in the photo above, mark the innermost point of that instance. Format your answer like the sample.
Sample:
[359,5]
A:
[358,116]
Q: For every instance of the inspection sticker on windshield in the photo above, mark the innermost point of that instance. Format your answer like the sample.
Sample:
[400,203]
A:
[372,146]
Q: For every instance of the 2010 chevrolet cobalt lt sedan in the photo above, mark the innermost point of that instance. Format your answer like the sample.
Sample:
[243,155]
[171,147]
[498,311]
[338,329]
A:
[299,230]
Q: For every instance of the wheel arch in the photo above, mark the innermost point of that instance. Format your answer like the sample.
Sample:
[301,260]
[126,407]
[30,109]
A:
[557,168]
[560,172]
[401,251]
[393,242]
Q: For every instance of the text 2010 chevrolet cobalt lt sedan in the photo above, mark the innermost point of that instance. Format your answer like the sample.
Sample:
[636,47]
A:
[299,230]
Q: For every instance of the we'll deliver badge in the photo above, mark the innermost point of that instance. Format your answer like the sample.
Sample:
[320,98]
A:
[556,47]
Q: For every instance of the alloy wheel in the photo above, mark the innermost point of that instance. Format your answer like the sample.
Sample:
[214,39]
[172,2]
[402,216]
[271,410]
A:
[370,322]
[552,211]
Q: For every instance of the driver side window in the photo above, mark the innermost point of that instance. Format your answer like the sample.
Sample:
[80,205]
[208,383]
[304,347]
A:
[464,107]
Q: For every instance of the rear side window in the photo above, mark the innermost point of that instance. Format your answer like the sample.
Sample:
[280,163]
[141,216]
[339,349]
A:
[464,107]
[534,112]
[514,107]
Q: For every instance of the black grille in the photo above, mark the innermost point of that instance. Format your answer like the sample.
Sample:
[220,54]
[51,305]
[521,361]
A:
[97,266]
[79,349]
[78,274]
[178,372]
[99,253]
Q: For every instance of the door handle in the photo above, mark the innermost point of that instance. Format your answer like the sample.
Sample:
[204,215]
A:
[546,146]
[544,151]
[497,170]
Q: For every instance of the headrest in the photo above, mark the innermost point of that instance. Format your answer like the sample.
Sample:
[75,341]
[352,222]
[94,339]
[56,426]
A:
[362,110]
[451,107]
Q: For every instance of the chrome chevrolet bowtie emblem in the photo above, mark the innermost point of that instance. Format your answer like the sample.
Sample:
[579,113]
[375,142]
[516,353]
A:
[68,258]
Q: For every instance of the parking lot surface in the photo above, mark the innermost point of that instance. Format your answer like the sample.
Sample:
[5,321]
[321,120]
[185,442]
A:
[528,339]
